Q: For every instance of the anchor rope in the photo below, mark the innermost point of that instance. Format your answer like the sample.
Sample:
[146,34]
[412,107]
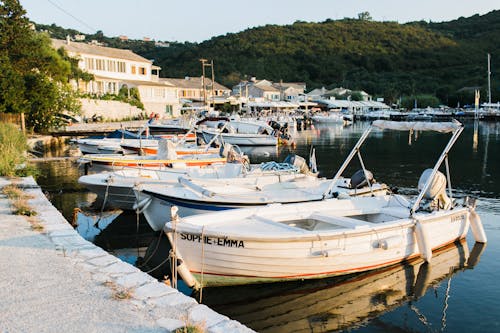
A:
[202,261]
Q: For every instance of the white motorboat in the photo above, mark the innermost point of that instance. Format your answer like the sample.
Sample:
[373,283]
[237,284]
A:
[198,196]
[142,148]
[329,117]
[112,145]
[116,188]
[166,157]
[242,133]
[324,238]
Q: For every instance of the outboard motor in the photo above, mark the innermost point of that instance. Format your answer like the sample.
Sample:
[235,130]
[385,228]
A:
[233,156]
[436,193]
[275,125]
[358,179]
[166,150]
[298,162]
[225,149]
[227,128]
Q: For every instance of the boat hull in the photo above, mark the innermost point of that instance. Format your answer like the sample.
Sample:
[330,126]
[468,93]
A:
[289,307]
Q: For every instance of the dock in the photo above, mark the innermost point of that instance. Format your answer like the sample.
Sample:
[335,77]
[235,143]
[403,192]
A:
[88,129]
[55,281]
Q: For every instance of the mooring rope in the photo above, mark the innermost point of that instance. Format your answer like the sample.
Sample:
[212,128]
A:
[154,251]
[173,251]
[202,261]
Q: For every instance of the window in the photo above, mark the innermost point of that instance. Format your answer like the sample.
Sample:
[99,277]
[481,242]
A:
[99,88]
[168,110]
[111,66]
[89,63]
[142,71]
[159,92]
[121,66]
[99,64]
[133,69]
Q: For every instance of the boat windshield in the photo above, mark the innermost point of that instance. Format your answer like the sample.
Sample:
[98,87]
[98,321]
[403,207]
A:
[311,224]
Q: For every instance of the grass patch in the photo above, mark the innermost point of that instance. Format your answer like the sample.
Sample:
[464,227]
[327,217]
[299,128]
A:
[13,192]
[21,207]
[18,198]
[13,148]
[190,329]
[35,224]
[118,293]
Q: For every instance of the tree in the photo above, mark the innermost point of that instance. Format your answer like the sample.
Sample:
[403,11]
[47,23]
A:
[356,96]
[364,16]
[35,77]
[422,101]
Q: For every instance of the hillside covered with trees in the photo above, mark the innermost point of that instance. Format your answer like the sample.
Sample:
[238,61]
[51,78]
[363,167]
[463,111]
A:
[386,59]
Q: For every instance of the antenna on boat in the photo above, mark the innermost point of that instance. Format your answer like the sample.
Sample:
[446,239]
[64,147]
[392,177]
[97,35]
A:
[217,134]
[354,151]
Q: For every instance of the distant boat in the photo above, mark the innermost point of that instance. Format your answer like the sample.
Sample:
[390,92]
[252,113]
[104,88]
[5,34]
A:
[166,157]
[151,148]
[328,117]
[242,133]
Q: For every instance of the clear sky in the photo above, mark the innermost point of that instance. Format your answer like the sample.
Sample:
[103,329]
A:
[198,20]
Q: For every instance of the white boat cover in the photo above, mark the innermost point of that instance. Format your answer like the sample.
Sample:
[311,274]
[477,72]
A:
[443,127]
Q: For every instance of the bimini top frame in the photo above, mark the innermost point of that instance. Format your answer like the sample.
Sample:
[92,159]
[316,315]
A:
[453,127]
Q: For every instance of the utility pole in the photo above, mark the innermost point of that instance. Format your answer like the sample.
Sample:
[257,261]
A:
[203,63]
[213,82]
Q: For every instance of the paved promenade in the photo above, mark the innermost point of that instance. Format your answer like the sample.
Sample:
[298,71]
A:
[55,281]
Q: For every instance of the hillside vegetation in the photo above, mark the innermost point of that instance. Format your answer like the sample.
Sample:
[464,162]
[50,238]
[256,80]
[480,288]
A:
[386,59]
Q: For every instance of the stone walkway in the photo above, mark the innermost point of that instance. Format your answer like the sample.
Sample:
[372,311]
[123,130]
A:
[55,281]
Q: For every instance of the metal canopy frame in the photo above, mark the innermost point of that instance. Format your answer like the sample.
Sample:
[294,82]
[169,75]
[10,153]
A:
[456,129]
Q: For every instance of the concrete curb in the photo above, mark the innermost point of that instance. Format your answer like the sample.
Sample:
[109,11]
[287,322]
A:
[170,308]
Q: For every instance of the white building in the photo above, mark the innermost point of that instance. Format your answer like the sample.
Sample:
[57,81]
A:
[115,68]
[257,89]
[191,88]
[290,91]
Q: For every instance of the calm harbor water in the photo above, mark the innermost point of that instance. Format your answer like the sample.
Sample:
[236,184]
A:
[457,293]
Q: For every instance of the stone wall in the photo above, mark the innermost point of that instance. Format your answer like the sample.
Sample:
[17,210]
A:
[109,110]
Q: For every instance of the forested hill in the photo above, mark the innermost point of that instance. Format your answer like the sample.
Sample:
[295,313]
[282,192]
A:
[383,58]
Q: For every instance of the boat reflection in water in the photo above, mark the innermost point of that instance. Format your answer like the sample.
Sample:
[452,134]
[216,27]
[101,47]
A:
[338,303]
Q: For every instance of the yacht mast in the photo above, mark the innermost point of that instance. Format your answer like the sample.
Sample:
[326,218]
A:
[489,79]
